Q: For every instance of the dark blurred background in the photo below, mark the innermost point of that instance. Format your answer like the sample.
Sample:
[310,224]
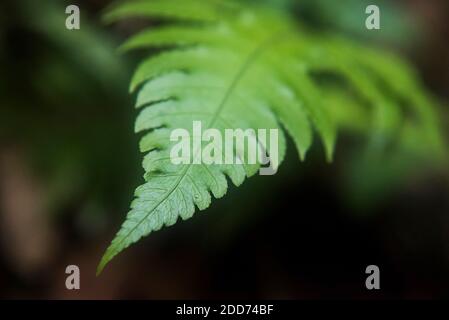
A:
[69,163]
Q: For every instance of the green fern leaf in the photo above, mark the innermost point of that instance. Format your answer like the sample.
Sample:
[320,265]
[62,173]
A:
[231,65]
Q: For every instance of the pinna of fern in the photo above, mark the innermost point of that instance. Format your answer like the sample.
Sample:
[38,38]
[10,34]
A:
[234,65]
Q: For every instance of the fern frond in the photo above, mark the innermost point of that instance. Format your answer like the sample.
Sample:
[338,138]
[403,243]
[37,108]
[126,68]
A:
[231,65]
